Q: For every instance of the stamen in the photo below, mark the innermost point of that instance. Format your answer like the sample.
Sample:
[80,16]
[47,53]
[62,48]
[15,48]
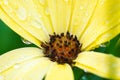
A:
[63,48]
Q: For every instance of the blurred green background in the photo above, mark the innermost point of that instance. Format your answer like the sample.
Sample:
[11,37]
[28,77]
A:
[9,40]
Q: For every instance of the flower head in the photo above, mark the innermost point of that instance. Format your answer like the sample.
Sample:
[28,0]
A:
[65,31]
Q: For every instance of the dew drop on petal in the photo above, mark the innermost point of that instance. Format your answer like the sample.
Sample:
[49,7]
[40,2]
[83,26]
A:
[85,71]
[47,11]
[5,2]
[1,77]
[26,41]
[16,66]
[22,57]
[36,24]
[102,45]
[21,13]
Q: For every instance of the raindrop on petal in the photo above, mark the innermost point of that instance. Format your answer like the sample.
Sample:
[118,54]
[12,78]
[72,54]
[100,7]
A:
[21,13]
[85,70]
[36,24]
[22,57]
[47,11]
[16,66]
[25,41]
[102,45]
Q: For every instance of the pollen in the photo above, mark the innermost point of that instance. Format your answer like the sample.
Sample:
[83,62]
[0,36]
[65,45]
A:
[62,48]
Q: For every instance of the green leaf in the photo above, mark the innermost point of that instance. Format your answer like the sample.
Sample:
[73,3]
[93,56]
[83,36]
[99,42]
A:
[113,46]
[9,40]
[89,76]
[78,73]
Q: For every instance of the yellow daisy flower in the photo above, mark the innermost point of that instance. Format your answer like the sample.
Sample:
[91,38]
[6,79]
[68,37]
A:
[65,31]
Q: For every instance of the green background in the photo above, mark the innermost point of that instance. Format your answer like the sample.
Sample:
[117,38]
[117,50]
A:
[9,40]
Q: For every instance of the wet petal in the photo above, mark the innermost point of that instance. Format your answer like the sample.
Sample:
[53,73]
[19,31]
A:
[81,15]
[104,65]
[59,72]
[105,17]
[37,19]
[17,56]
[34,69]
[60,14]
[16,27]
[105,37]
[26,16]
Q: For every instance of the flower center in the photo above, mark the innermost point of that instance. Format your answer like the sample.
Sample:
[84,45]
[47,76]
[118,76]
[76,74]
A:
[62,48]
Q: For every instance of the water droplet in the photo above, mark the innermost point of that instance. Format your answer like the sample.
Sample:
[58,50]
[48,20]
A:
[5,2]
[21,13]
[42,1]
[85,71]
[26,41]
[84,78]
[47,11]
[22,58]
[102,45]
[16,66]
[37,24]
[1,77]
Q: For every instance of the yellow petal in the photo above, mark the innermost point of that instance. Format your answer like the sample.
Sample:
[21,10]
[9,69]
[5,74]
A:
[105,17]
[104,65]
[16,27]
[39,70]
[26,15]
[34,69]
[17,56]
[105,37]
[59,72]
[81,15]
[60,14]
